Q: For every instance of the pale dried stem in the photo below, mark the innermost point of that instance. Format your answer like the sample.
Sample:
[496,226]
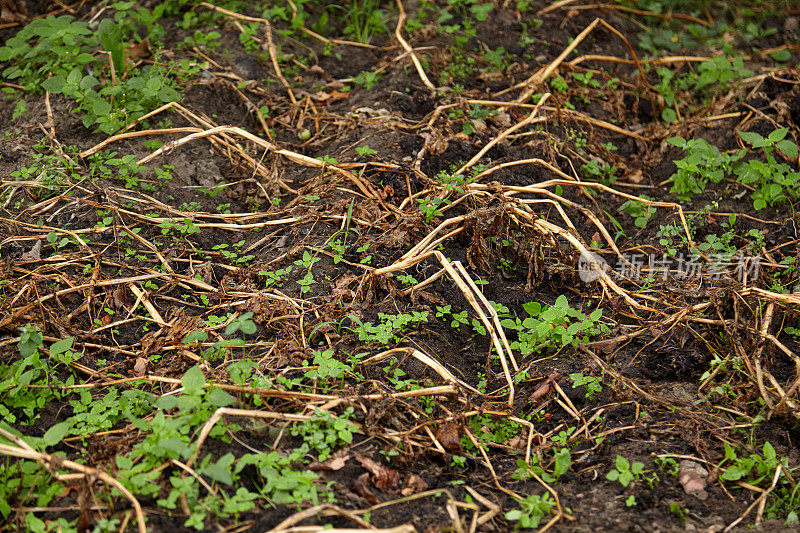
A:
[52,463]
[503,135]
[398,35]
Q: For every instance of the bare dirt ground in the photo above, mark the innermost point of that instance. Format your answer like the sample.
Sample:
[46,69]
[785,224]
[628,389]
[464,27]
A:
[347,284]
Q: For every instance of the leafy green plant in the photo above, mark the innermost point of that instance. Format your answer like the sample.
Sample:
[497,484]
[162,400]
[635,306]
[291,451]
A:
[364,150]
[703,163]
[51,45]
[327,366]
[367,79]
[113,106]
[592,384]
[23,402]
[626,472]
[532,511]
[307,261]
[556,326]
[600,171]
[275,278]
[721,70]
[640,211]
[775,181]
[324,432]
[390,328]
[759,470]
[364,20]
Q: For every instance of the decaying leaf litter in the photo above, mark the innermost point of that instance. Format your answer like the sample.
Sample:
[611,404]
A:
[405,266]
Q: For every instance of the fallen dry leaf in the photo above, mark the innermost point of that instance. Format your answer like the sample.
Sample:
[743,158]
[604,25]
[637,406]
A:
[692,477]
[385,479]
[413,484]
[34,254]
[449,436]
[140,50]
[339,287]
[544,387]
[335,462]
[635,177]
[324,98]
[360,487]
[140,368]
[120,297]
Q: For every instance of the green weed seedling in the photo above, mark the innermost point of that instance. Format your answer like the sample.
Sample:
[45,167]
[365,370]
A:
[592,384]
[391,328]
[641,212]
[453,185]
[327,366]
[364,19]
[275,278]
[775,181]
[533,509]
[562,462]
[556,326]
[324,432]
[721,70]
[25,403]
[601,171]
[704,163]
[759,470]
[307,261]
[367,79]
[626,472]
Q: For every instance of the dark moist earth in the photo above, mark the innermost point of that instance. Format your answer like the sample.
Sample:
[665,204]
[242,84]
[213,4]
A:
[412,461]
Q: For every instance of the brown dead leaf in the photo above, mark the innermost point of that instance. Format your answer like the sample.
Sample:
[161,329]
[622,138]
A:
[339,287]
[120,297]
[140,368]
[413,484]
[606,347]
[449,436]
[692,477]
[335,85]
[384,479]
[140,50]
[636,176]
[335,462]
[544,387]
[34,254]
[494,75]
[387,192]
[317,70]
[323,98]
[360,487]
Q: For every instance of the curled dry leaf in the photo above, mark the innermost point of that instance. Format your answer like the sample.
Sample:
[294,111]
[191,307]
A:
[692,477]
[449,436]
[140,50]
[34,254]
[385,479]
[335,462]
[360,487]
[120,297]
[636,176]
[339,287]
[544,387]
[140,368]
[413,484]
